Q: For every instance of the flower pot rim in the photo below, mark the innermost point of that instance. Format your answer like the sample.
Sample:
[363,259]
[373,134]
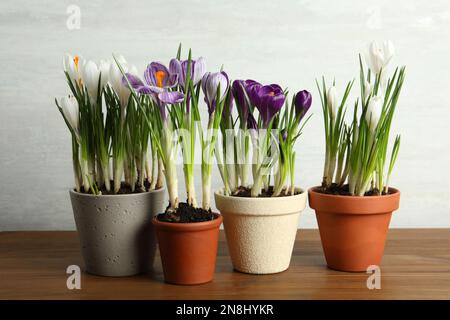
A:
[188,226]
[115,196]
[261,206]
[394,193]
[353,205]
[298,195]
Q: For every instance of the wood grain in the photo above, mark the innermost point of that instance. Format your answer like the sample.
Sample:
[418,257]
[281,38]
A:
[416,265]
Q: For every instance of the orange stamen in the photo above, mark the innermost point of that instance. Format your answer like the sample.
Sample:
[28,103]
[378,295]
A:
[75,60]
[160,75]
[271,94]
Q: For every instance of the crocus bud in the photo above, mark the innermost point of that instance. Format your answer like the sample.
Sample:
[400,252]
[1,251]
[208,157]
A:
[373,112]
[90,75]
[69,106]
[284,134]
[211,82]
[379,55]
[367,90]
[303,100]
[332,101]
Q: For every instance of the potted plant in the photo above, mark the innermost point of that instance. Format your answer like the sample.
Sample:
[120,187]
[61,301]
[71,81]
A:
[354,204]
[261,218]
[113,216]
[187,232]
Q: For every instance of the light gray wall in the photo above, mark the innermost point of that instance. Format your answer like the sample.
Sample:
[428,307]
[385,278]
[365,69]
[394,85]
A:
[287,42]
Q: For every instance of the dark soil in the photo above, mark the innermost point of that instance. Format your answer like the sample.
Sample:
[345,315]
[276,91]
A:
[344,191]
[246,193]
[124,189]
[186,214]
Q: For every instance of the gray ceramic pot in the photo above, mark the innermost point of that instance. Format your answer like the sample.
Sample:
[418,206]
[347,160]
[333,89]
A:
[116,233]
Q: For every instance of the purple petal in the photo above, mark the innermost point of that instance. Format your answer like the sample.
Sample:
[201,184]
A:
[239,94]
[204,81]
[175,66]
[156,89]
[212,82]
[183,74]
[199,68]
[144,90]
[172,80]
[134,81]
[171,97]
[252,88]
[271,100]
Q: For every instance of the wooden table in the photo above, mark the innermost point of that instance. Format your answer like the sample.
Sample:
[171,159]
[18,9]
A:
[416,265]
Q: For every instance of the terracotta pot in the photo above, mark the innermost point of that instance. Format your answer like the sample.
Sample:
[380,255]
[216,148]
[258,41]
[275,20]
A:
[261,231]
[353,229]
[188,250]
[116,235]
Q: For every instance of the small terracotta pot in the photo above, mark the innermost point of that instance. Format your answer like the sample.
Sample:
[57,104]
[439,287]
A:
[188,250]
[261,231]
[353,229]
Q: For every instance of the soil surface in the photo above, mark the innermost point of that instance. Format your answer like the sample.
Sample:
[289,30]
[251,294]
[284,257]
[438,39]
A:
[246,193]
[344,191]
[124,189]
[186,214]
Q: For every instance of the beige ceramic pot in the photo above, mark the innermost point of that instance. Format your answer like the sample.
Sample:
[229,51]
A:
[261,231]
[116,234]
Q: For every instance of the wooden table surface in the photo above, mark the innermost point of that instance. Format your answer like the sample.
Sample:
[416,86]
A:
[416,265]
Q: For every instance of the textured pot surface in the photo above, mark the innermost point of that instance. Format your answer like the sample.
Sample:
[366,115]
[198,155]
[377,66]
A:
[115,231]
[188,250]
[261,231]
[353,229]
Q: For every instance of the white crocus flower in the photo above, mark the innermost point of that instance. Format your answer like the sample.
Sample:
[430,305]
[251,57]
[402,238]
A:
[373,113]
[90,75]
[379,55]
[332,101]
[70,109]
[367,90]
[115,79]
[104,71]
[72,65]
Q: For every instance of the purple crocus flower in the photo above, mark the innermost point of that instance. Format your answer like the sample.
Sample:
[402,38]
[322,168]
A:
[252,87]
[162,96]
[158,76]
[197,70]
[210,85]
[302,102]
[270,100]
[244,92]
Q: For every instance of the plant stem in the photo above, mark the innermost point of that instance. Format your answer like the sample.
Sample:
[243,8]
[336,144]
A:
[76,164]
[256,188]
[159,180]
[206,187]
